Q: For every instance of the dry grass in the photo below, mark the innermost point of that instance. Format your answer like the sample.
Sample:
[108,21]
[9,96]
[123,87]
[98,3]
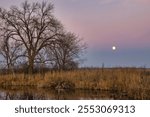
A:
[127,80]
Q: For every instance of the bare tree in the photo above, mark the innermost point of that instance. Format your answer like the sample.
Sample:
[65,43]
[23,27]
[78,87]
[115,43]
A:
[33,26]
[34,35]
[66,51]
[10,51]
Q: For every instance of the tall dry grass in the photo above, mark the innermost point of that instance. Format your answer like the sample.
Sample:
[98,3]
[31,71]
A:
[126,80]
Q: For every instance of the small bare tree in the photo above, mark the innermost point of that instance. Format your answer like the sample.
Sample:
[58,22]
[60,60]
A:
[66,51]
[10,51]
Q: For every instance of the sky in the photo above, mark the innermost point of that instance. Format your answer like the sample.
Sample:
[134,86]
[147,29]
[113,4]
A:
[103,24]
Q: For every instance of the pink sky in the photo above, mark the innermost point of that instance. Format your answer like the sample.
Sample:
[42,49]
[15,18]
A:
[104,23]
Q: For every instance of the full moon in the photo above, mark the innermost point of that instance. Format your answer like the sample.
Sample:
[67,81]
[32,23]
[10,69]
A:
[113,48]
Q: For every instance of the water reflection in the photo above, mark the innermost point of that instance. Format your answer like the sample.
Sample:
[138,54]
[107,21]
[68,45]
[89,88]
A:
[24,93]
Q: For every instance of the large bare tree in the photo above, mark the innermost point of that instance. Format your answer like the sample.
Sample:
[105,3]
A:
[33,35]
[33,26]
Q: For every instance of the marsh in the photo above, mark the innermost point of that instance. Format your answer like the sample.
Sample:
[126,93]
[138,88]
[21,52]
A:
[23,93]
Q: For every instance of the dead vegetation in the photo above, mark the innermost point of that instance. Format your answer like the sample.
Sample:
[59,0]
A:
[132,82]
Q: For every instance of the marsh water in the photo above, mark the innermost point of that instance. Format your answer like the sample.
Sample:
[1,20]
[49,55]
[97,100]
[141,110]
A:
[31,93]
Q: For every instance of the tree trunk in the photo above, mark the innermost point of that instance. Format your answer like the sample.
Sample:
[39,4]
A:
[31,66]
